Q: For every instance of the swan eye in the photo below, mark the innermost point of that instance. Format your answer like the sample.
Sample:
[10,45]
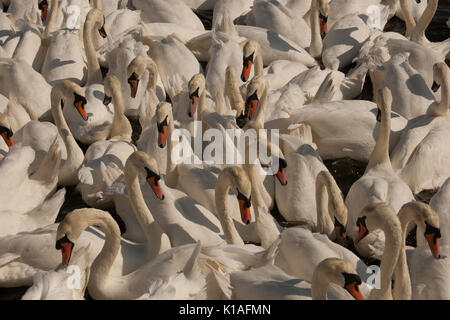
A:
[151,174]
[194,94]
[248,59]
[247,201]
[351,278]
[418,1]
[161,125]
[8,131]
[361,222]
[432,230]
[78,99]
[323,18]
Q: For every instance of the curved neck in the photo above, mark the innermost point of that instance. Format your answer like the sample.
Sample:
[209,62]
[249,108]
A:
[319,286]
[325,185]
[102,264]
[418,33]
[51,25]
[233,93]
[392,248]
[409,19]
[260,196]
[171,178]
[152,74]
[121,127]
[259,65]
[221,198]
[201,105]
[260,117]
[71,145]
[440,109]
[152,230]
[94,71]
[380,154]
[316,46]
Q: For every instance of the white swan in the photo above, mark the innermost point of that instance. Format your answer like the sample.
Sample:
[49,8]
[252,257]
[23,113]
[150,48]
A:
[64,58]
[21,80]
[427,264]
[43,215]
[421,156]
[23,190]
[105,160]
[95,123]
[411,95]
[271,283]
[341,128]
[383,217]
[379,182]
[40,135]
[168,11]
[25,254]
[54,285]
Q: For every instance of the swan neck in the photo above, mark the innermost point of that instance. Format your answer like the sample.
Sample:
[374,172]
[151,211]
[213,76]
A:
[259,119]
[380,154]
[233,93]
[391,254]
[409,19]
[94,71]
[101,266]
[51,25]
[153,232]
[418,33]
[222,207]
[316,46]
[121,127]
[171,178]
[319,286]
[259,65]
[324,194]
[441,107]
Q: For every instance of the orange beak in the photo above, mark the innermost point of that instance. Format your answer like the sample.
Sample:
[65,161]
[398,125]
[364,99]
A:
[66,251]
[246,68]
[246,216]
[281,177]
[252,107]
[323,25]
[353,289]
[193,102]
[154,184]
[341,236]
[361,234]
[433,243]
[8,140]
[44,9]
[162,137]
[81,110]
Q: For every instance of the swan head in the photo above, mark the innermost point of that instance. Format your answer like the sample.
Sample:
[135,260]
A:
[377,216]
[95,17]
[110,82]
[251,49]
[440,76]
[43,6]
[136,69]
[5,130]
[255,91]
[384,102]
[240,182]
[163,119]
[68,232]
[66,89]
[339,272]
[196,87]
[324,9]
[422,214]
[145,164]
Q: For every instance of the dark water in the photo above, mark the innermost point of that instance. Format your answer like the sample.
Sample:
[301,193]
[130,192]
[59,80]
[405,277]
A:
[344,171]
